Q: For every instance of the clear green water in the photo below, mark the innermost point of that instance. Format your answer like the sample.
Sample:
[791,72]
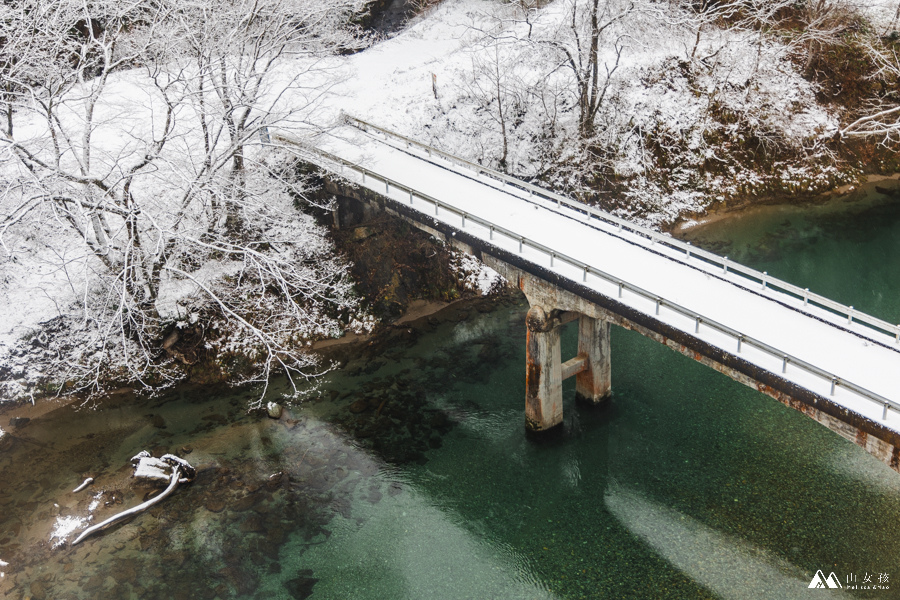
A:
[687,485]
[846,249]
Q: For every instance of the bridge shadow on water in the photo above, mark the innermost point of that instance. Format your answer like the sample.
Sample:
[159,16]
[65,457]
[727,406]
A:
[409,475]
[687,485]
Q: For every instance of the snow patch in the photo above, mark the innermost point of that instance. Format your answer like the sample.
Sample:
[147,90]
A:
[95,502]
[152,468]
[64,527]
[477,275]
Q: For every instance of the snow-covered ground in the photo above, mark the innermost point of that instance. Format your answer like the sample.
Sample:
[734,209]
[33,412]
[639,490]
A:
[422,83]
[882,13]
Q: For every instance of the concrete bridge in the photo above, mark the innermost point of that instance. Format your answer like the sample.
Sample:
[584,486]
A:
[829,361]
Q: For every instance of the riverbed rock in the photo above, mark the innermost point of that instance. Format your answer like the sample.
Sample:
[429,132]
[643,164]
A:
[302,586]
[274,410]
[96,582]
[253,524]
[156,420]
[275,481]
[359,406]
[275,536]
[246,502]
[17,422]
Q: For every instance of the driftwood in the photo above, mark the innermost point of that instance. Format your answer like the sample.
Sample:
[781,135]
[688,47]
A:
[147,467]
[86,483]
[173,483]
[187,469]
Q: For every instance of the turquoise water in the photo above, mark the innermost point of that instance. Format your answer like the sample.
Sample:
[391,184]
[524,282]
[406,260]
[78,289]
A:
[687,485]
[845,249]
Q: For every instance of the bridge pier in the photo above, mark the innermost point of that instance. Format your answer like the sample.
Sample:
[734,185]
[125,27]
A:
[593,384]
[545,371]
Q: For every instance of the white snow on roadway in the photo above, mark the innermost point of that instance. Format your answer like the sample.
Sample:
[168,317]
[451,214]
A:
[703,290]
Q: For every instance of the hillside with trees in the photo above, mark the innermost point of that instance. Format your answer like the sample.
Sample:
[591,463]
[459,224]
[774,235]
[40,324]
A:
[148,223]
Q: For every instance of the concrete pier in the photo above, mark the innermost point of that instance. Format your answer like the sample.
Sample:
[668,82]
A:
[545,371]
[593,385]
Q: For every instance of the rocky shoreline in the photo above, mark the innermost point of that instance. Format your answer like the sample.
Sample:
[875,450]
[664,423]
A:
[321,455]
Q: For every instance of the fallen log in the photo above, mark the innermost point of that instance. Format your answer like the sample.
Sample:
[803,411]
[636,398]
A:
[173,483]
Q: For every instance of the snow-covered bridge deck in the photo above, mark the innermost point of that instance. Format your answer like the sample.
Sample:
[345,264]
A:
[836,357]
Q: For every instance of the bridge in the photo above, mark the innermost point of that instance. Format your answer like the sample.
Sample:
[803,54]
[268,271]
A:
[831,362]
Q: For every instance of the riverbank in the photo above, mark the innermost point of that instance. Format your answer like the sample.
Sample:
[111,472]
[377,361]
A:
[864,191]
[401,274]
[420,314]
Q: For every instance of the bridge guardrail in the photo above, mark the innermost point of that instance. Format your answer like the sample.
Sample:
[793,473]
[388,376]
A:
[761,278]
[523,242]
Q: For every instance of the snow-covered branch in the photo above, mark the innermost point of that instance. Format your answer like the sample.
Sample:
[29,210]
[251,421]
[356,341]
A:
[137,127]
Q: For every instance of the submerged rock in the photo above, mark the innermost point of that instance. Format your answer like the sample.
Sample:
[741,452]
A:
[252,524]
[17,422]
[359,406]
[246,502]
[274,410]
[302,586]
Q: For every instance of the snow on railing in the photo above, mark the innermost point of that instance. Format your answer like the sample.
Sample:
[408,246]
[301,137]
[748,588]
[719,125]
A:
[764,280]
[620,286]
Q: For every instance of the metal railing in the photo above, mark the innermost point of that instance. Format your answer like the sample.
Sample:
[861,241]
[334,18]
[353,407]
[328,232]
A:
[378,182]
[763,280]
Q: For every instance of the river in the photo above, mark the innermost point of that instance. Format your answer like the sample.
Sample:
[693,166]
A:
[406,474]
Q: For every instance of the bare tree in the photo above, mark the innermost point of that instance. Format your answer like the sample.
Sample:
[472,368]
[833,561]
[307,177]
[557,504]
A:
[139,126]
[823,22]
[582,41]
[495,86]
[708,14]
[882,119]
[236,49]
[538,65]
